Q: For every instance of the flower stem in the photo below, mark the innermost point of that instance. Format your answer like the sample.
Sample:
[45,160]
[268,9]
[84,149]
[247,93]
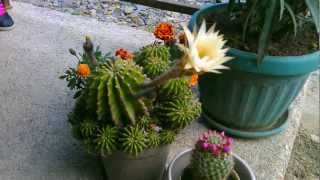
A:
[176,71]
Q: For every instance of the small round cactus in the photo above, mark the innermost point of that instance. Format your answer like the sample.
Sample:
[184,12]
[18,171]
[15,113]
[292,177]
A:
[155,59]
[211,159]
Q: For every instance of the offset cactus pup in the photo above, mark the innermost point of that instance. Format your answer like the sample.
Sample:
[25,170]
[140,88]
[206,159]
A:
[211,159]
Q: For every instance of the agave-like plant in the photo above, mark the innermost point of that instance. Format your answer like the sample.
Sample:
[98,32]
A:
[273,17]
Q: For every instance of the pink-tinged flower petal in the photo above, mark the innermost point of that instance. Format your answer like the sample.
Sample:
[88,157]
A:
[226,149]
[201,139]
[210,132]
[216,151]
[205,137]
[213,147]
[222,134]
[229,141]
[205,146]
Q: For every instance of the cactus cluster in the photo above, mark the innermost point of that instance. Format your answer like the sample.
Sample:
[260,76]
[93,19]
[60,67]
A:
[211,158]
[109,116]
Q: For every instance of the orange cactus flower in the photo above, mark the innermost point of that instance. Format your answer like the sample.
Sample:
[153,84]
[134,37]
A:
[183,38]
[124,54]
[164,31]
[193,80]
[83,70]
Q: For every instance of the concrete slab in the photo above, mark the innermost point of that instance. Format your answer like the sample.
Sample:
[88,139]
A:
[268,157]
[35,140]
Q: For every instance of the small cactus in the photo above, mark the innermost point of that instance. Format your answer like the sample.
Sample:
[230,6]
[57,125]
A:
[178,112]
[88,127]
[153,139]
[167,136]
[155,59]
[134,140]
[211,159]
[175,87]
[107,139]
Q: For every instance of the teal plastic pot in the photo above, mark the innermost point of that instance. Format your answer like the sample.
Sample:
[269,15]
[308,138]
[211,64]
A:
[249,101]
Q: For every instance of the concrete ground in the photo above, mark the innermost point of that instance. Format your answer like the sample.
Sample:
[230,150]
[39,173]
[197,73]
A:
[305,159]
[35,139]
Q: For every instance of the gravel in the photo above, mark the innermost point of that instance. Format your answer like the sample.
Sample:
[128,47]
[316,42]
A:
[119,12]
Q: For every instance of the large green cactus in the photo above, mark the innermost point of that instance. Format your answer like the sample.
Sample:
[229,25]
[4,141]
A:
[211,159]
[110,93]
[155,59]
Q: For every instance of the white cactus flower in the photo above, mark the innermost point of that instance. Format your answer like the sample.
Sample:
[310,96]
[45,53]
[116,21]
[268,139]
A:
[205,50]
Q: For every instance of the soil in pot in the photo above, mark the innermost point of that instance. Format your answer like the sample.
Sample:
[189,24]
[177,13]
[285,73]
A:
[305,41]
[187,175]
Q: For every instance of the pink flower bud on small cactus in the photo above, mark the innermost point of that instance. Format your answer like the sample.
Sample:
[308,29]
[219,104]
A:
[215,143]
[229,141]
[222,134]
[205,145]
[226,149]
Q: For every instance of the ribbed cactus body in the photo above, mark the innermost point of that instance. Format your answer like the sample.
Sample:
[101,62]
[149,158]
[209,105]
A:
[205,166]
[178,112]
[110,93]
[175,87]
[155,59]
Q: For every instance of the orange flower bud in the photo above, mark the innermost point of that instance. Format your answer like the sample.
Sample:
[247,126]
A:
[124,54]
[193,80]
[83,70]
[164,31]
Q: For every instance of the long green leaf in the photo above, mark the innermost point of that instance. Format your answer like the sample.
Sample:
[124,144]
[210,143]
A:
[293,17]
[314,7]
[231,5]
[246,23]
[266,30]
[282,8]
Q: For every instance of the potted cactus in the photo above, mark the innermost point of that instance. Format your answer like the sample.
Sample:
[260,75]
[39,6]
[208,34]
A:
[130,106]
[211,159]
[275,45]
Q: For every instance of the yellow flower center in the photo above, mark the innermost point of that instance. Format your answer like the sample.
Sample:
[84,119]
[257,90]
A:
[207,46]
